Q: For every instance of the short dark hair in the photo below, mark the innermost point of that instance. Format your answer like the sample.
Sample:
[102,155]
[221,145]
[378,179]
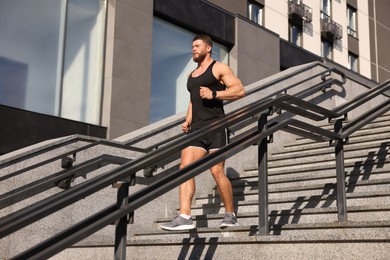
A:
[205,38]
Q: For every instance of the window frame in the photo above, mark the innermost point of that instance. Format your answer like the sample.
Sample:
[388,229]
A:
[352,23]
[250,16]
[353,64]
[291,27]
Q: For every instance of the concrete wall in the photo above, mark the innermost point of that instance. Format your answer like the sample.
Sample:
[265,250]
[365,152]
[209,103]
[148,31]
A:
[256,53]
[380,37]
[128,66]
[364,41]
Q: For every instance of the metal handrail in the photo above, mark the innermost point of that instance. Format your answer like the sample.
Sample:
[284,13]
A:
[129,145]
[136,200]
[44,208]
[67,197]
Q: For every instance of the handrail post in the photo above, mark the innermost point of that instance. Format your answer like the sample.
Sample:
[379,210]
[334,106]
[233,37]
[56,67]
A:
[263,178]
[340,174]
[121,224]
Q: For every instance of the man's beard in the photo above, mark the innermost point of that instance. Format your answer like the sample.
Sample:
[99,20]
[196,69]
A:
[200,57]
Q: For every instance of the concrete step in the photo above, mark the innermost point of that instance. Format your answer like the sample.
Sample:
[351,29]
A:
[375,128]
[243,205]
[350,150]
[376,212]
[293,180]
[339,230]
[301,145]
[367,166]
[320,158]
[343,241]
[368,187]
[295,216]
[379,125]
[351,174]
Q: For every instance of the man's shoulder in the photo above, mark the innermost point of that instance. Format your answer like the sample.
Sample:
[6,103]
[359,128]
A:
[221,67]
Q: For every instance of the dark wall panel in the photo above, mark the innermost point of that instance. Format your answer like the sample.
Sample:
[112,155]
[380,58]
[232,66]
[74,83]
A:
[199,17]
[20,128]
[291,55]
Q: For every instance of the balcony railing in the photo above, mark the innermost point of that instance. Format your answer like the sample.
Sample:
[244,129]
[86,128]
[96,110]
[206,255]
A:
[299,12]
[331,30]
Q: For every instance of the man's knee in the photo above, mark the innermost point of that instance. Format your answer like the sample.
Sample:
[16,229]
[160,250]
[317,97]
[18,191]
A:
[217,171]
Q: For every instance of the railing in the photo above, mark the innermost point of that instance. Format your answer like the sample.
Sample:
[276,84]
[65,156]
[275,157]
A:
[126,204]
[330,29]
[299,12]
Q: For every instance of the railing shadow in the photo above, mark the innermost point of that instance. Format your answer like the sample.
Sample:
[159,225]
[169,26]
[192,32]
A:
[362,170]
[194,247]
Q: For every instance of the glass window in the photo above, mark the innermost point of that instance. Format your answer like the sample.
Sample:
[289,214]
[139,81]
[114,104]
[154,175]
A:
[171,64]
[325,9]
[255,12]
[30,54]
[353,61]
[351,15]
[295,35]
[326,49]
[83,61]
[46,73]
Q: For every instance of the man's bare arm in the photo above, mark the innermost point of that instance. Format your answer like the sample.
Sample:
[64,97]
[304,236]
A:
[187,124]
[234,88]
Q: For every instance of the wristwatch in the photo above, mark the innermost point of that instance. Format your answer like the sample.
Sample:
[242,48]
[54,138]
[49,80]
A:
[214,94]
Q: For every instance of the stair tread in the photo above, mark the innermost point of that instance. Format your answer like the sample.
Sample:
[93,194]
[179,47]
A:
[327,210]
[323,166]
[338,232]
[353,195]
[303,187]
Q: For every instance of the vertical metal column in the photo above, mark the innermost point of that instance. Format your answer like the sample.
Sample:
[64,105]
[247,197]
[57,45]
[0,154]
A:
[263,179]
[340,174]
[121,224]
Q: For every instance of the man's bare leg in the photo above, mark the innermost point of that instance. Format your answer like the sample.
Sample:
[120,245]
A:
[187,189]
[224,186]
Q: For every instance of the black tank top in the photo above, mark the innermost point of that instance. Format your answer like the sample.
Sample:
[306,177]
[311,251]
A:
[205,111]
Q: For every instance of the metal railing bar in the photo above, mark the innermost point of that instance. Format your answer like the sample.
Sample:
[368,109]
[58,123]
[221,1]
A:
[362,98]
[176,123]
[58,157]
[249,92]
[81,230]
[320,110]
[300,111]
[316,129]
[365,118]
[143,193]
[35,153]
[322,86]
[36,211]
[49,182]
[56,202]
[293,74]
[232,118]
[307,134]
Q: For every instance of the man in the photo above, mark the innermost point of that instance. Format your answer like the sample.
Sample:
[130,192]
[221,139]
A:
[209,84]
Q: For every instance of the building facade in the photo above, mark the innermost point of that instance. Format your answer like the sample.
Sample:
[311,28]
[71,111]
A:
[107,67]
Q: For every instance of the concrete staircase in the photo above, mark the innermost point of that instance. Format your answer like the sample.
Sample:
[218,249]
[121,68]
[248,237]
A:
[302,202]
[302,208]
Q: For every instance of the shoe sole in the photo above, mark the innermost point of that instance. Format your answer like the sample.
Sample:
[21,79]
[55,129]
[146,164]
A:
[228,225]
[182,227]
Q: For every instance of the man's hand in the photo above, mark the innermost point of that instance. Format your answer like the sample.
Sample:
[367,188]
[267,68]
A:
[206,93]
[185,127]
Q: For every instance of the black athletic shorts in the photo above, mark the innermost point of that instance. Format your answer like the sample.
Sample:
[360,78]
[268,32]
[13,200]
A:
[213,141]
